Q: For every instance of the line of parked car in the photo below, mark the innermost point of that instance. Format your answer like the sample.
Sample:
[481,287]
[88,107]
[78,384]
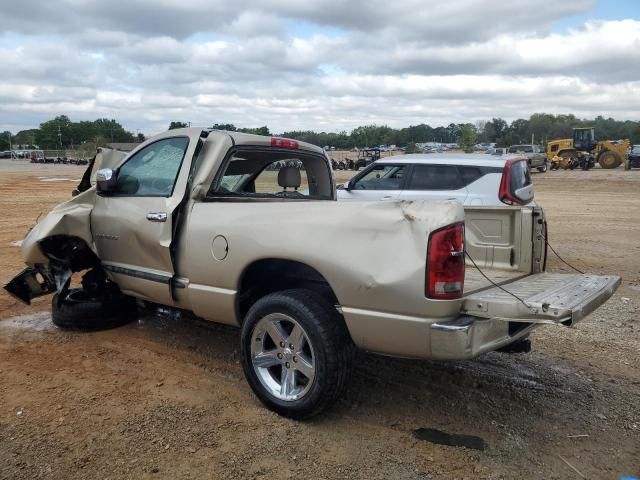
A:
[38,156]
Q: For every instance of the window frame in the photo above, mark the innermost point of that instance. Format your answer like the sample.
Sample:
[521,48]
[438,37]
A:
[212,196]
[135,153]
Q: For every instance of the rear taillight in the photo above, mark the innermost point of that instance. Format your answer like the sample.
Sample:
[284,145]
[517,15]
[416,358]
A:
[445,263]
[284,143]
[505,193]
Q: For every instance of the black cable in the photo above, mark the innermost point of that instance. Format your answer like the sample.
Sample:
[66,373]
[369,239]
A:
[511,293]
[546,242]
[494,283]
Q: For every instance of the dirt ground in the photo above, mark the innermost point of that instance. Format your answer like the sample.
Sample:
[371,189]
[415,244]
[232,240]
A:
[165,397]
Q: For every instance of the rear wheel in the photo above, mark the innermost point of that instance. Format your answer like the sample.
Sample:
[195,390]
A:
[609,159]
[296,352]
[543,168]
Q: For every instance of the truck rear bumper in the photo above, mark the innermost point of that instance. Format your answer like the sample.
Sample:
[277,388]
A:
[460,338]
[467,337]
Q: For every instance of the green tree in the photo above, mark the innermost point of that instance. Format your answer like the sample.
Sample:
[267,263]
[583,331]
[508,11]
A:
[256,131]
[6,139]
[229,127]
[174,125]
[467,138]
[412,148]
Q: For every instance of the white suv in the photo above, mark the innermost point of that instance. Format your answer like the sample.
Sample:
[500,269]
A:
[469,179]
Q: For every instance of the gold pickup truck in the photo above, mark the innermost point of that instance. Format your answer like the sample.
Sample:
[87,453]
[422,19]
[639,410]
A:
[246,230]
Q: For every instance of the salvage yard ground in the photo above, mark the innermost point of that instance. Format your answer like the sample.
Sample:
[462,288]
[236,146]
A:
[165,397]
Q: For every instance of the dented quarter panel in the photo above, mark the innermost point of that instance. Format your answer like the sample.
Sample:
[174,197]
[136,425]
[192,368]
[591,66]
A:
[372,254]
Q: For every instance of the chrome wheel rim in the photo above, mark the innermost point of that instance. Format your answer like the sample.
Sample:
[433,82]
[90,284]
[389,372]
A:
[282,357]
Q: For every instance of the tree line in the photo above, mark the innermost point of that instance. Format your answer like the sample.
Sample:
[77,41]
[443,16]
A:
[539,128]
[61,132]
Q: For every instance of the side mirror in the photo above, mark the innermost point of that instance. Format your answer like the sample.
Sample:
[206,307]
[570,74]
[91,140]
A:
[106,180]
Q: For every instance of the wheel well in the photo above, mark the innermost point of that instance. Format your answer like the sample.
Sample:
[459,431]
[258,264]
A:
[70,251]
[273,275]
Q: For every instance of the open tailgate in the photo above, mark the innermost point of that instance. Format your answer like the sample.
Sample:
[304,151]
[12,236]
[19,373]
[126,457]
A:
[546,298]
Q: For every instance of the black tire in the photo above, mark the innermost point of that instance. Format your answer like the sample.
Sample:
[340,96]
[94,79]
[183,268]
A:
[609,159]
[326,332]
[543,168]
[76,310]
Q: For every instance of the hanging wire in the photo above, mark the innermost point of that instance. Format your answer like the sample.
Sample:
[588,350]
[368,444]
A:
[494,283]
[546,242]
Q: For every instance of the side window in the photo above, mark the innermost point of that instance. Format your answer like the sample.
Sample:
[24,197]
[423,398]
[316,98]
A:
[435,177]
[153,171]
[471,174]
[382,177]
[554,148]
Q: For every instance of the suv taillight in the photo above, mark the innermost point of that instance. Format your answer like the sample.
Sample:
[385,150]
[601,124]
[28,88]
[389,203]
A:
[505,193]
[445,263]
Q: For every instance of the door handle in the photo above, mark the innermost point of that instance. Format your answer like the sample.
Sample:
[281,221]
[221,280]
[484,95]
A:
[157,216]
[387,197]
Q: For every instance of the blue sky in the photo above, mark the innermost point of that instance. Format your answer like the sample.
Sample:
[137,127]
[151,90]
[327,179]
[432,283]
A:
[603,10]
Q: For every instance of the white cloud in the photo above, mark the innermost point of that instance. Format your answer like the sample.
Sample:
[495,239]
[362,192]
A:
[398,63]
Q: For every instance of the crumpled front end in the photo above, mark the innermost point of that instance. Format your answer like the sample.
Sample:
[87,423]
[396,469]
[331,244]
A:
[57,246]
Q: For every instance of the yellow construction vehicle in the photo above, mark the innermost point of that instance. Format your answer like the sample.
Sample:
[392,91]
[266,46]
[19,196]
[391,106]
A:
[584,146]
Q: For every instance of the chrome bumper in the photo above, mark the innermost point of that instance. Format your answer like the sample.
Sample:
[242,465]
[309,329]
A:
[467,337]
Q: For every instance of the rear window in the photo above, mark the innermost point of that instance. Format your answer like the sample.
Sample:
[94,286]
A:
[520,176]
[265,173]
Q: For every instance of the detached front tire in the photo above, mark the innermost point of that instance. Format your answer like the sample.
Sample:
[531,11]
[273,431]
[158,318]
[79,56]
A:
[75,309]
[296,352]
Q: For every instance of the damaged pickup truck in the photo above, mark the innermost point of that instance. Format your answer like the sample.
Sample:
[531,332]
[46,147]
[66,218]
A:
[239,229]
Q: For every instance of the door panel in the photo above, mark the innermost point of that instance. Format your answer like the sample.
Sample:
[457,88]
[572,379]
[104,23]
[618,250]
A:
[127,241]
[132,228]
